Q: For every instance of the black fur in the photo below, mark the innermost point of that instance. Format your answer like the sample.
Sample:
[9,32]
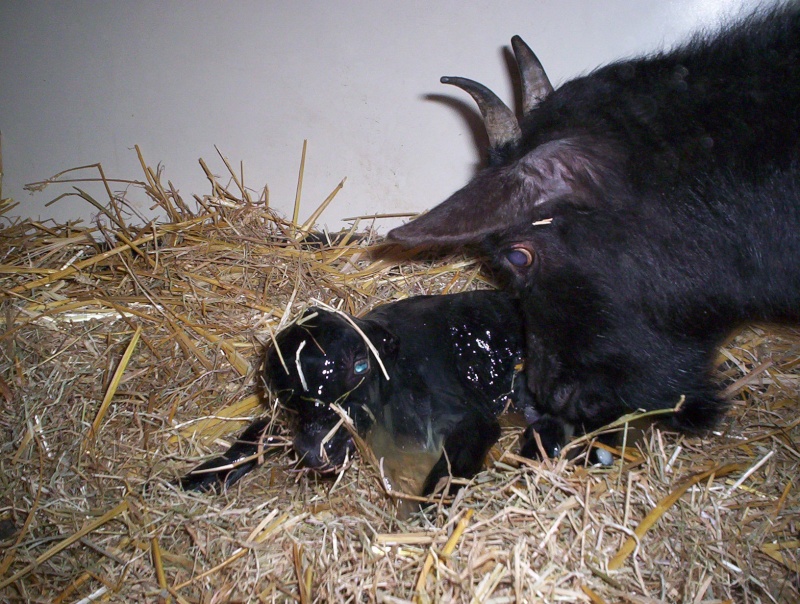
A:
[453,364]
[660,200]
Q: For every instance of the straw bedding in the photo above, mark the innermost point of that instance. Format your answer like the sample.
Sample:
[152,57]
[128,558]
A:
[130,351]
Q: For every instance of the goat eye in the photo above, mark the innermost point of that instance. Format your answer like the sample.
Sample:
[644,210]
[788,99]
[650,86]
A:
[361,366]
[519,256]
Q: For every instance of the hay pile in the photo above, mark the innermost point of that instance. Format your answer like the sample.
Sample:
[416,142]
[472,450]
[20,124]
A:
[130,352]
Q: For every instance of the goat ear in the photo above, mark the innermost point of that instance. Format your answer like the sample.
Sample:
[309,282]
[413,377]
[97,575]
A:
[504,196]
[383,338]
[491,200]
[309,314]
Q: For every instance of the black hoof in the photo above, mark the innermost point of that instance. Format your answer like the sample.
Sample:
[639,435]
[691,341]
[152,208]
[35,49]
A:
[552,434]
[257,438]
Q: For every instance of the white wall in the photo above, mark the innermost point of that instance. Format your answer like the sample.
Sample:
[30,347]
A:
[83,81]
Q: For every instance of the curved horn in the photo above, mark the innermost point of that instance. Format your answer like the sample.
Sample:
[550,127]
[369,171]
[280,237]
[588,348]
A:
[501,123]
[535,83]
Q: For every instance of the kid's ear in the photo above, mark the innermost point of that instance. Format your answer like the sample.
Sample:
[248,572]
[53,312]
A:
[384,340]
[310,314]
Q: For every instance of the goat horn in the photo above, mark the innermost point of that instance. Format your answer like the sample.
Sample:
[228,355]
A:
[535,83]
[501,123]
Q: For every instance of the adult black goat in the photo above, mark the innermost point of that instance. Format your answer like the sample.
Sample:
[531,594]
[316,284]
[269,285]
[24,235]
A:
[641,213]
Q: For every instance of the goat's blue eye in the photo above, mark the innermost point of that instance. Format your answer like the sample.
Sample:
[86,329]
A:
[361,366]
[519,256]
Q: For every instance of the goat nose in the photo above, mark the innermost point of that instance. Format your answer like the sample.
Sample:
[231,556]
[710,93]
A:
[308,449]
[325,457]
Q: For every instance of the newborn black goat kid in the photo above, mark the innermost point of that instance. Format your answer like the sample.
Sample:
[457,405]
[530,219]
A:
[427,403]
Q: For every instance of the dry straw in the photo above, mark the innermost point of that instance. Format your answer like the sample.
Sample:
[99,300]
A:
[131,351]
